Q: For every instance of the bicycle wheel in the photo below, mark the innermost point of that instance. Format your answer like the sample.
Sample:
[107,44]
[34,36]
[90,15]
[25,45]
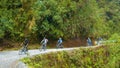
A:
[20,52]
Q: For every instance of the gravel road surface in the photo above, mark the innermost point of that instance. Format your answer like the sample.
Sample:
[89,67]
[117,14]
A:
[10,59]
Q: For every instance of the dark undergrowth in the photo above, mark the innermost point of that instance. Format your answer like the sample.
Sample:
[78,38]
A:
[6,45]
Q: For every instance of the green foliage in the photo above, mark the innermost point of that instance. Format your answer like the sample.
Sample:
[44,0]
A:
[106,56]
[55,18]
[114,61]
[115,37]
[111,14]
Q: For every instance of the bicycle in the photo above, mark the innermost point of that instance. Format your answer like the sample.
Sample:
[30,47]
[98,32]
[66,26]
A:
[23,50]
[43,47]
[60,46]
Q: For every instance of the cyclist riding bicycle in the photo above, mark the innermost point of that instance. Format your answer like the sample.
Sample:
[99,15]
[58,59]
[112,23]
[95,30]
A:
[59,43]
[24,46]
[43,44]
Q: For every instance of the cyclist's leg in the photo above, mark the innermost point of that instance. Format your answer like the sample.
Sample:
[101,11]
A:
[44,47]
[58,45]
[41,47]
[61,45]
[21,50]
[25,50]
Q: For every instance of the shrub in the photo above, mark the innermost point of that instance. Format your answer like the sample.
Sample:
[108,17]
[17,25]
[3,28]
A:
[106,56]
[115,38]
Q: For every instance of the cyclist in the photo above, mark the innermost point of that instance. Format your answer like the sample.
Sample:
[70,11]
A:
[59,43]
[89,42]
[44,43]
[24,46]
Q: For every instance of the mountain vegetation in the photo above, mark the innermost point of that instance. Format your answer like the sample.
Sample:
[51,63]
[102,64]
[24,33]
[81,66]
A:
[58,18]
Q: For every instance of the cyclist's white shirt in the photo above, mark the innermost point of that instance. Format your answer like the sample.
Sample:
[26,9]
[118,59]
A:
[45,41]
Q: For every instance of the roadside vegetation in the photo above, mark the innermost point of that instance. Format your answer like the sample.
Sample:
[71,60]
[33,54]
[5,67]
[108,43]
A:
[105,56]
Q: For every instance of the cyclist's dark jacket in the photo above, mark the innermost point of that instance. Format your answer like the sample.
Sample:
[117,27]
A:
[26,42]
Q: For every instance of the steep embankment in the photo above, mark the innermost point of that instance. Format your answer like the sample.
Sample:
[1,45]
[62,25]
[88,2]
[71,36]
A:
[106,56]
